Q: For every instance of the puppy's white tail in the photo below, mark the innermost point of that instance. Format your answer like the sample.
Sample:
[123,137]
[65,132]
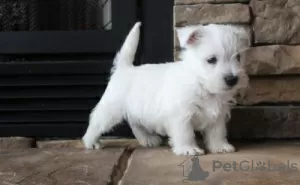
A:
[125,56]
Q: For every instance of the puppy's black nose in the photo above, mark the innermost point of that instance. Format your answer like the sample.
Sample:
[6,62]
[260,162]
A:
[231,80]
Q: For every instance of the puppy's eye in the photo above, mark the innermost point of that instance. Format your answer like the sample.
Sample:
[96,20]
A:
[238,57]
[212,60]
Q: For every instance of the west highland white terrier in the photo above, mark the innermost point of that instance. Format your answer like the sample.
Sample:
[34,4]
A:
[175,99]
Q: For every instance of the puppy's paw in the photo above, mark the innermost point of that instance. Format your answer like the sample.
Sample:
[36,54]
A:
[222,148]
[151,141]
[188,150]
[170,143]
[91,144]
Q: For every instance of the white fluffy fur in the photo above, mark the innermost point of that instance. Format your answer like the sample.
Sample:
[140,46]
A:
[174,99]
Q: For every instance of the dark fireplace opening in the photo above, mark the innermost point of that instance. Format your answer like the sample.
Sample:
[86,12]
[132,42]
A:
[57,27]
[56,57]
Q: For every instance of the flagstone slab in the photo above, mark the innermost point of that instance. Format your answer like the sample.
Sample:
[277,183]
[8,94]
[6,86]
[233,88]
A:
[161,167]
[16,142]
[59,167]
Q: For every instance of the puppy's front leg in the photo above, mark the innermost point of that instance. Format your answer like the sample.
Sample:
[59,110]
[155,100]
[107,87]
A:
[183,139]
[215,138]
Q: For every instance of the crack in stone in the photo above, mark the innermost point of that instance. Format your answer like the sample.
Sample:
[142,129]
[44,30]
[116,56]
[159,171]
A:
[290,56]
[120,168]
[49,174]
[29,176]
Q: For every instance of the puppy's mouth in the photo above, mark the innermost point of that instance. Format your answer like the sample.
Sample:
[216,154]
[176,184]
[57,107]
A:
[228,89]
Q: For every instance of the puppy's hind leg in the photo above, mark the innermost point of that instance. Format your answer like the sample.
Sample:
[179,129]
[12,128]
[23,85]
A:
[144,137]
[103,118]
[108,113]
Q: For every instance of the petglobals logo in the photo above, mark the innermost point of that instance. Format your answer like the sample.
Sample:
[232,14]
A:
[192,170]
[254,166]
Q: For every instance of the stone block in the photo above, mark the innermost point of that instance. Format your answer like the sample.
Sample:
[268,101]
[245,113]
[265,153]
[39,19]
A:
[276,22]
[275,59]
[284,89]
[209,1]
[265,122]
[211,13]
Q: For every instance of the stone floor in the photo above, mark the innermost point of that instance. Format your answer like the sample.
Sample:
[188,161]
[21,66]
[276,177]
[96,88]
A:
[123,162]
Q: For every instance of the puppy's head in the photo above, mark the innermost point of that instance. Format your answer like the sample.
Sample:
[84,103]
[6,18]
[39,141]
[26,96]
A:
[213,53]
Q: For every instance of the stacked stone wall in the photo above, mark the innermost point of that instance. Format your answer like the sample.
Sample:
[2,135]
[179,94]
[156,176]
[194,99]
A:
[270,107]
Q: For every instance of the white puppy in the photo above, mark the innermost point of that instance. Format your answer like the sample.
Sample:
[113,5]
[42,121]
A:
[175,99]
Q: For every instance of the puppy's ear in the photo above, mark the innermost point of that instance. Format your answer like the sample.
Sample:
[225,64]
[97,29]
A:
[189,35]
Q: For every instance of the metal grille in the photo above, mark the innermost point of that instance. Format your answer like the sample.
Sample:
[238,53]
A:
[42,15]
